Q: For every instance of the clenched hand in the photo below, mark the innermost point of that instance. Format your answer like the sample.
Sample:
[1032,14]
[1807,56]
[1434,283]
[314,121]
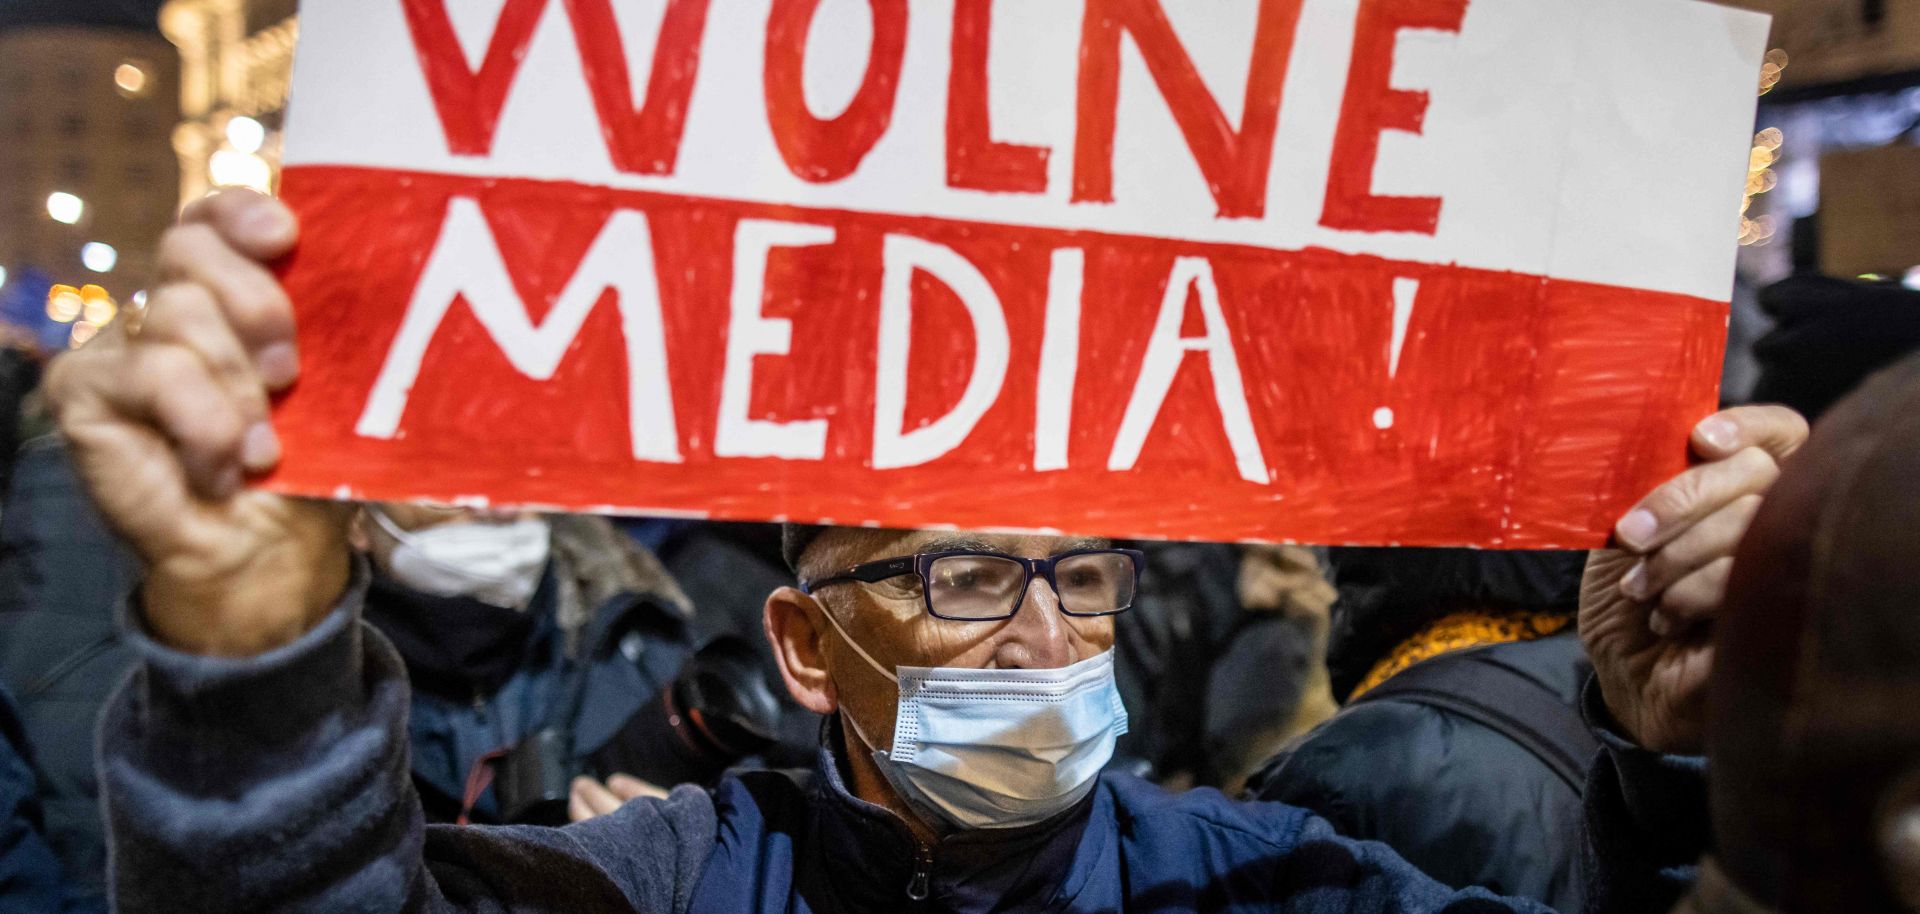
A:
[167,420]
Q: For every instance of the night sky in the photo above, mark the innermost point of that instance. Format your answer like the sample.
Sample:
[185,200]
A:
[134,14]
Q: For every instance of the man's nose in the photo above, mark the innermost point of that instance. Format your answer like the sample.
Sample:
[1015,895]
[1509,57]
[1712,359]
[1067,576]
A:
[1037,635]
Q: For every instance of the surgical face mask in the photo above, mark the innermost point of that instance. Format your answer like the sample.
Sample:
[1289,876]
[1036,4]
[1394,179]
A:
[997,748]
[496,563]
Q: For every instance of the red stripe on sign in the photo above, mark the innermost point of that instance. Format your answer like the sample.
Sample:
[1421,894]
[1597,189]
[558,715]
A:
[1211,391]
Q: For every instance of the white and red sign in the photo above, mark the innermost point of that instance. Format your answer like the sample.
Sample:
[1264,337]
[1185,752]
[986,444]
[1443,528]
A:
[1383,271]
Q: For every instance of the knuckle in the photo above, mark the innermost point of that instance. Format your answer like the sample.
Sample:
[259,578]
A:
[184,244]
[1676,497]
[1795,425]
[1756,466]
[206,426]
[167,363]
[262,306]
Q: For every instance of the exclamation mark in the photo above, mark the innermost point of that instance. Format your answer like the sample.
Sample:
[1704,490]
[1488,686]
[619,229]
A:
[1404,290]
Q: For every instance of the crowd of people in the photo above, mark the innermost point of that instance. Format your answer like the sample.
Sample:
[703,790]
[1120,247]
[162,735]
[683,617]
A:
[219,699]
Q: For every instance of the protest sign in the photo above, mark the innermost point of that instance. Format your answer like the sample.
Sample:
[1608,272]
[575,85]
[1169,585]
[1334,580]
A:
[1382,271]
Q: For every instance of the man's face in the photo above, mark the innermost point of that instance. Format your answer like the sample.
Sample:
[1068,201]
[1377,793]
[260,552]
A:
[889,618]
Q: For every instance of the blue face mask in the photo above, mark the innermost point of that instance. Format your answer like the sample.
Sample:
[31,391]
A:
[996,748]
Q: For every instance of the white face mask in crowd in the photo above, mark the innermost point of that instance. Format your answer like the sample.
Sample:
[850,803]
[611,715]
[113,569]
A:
[499,563]
[997,748]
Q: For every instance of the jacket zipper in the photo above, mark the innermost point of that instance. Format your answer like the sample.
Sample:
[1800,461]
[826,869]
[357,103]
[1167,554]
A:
[922,872]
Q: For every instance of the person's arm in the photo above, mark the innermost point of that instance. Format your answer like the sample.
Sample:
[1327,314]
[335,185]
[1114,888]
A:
[31,876]
[279,782]
[1647,608]
[1647,821]
[256,758]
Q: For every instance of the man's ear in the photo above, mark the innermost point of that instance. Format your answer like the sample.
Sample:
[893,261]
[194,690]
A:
[794,628]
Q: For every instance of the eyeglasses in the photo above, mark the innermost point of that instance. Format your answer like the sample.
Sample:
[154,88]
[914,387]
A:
[969,586]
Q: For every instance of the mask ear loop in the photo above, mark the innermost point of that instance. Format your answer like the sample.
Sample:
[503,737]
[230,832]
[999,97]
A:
[387,525]
[861,731]
[855,644]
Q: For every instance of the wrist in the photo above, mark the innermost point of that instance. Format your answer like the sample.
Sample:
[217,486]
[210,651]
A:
[266,602]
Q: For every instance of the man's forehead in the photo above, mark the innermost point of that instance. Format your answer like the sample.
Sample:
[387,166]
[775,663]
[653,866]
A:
[1031,545]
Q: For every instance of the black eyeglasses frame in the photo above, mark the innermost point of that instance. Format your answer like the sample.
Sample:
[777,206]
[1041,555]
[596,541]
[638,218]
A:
[922,562]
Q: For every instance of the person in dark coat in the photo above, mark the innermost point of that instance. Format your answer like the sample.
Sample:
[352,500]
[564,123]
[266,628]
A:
[1461,745]
[1828,335]
[518,630]
[257,759]
[31,878]
[1215,670]
[63,577]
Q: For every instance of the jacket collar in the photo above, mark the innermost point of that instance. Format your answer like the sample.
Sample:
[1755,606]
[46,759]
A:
[867,857]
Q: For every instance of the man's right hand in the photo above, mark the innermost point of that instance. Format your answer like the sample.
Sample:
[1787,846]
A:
[166,422]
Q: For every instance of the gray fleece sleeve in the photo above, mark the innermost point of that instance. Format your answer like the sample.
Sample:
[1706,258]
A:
[279,783]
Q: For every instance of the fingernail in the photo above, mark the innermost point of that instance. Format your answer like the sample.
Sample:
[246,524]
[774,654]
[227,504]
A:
[1718,432]
[1659,624]
[1638,527]
[279,364]
[1634,582]
[260,450]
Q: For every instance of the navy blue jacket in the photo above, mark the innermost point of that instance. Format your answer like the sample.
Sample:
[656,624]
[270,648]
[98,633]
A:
[1457,797]
[279,783]
[62,576]
[31,879]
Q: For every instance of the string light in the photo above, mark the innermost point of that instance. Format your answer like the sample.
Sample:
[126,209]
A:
[1776,61]
[1760,161]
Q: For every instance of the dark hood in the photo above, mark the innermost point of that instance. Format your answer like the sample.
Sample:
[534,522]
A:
[1828,336]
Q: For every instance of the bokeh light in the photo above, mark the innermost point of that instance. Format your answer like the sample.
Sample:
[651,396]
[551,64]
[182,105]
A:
[65,207]
[232,168]
[98,257]
[64,304]
[246,134]
[130,79]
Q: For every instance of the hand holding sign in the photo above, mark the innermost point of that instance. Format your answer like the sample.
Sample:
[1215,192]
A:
[165,421]
[1647,607]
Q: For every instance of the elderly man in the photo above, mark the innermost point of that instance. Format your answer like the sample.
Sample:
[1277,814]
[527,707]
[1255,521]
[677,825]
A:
[257,759]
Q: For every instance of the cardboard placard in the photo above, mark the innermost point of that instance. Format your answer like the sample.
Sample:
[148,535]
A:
[1380,271]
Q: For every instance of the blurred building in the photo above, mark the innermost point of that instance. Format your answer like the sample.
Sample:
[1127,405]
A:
[236,60]
[90,181]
